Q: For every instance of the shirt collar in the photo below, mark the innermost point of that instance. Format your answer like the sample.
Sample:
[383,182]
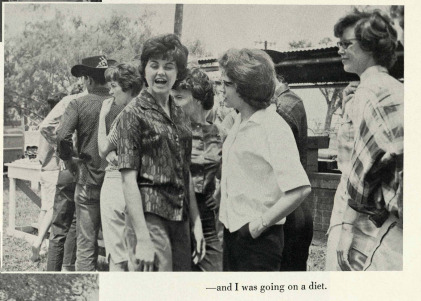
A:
[259,116]
[280,88]
[101,91]
[371,71]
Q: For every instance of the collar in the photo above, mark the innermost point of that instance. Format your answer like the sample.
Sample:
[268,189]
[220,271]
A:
[259,116]
[148,102]
[280,89]
[371,71]
[101,91]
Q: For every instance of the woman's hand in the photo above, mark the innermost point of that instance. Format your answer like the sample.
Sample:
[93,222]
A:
[199,244]
[106,107]
[145,256]
[112,158]
[344,246]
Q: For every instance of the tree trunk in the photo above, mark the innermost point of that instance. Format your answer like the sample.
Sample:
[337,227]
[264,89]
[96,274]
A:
[178,20]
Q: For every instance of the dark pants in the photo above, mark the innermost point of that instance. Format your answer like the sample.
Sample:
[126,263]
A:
[243,253]
[213,258]
[298,233]
[88,222]
[62,248]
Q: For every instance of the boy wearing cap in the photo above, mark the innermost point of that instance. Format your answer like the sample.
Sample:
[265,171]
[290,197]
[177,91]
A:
[82,115]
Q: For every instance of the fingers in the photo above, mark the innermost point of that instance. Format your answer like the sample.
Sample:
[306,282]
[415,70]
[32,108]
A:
[343,260]
[144,266]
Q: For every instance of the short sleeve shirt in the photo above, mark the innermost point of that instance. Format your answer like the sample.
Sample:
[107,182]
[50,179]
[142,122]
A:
[159,147]
[260,164]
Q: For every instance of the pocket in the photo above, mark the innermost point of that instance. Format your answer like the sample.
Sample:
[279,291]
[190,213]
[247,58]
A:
[244,233]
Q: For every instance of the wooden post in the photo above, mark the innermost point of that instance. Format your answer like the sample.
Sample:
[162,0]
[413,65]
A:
[12,205]
[178,20]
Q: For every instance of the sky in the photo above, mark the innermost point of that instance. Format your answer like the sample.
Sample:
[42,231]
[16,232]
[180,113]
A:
[218,26]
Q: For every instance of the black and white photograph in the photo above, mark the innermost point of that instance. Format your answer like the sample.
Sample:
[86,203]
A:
[203,138]
[63,287]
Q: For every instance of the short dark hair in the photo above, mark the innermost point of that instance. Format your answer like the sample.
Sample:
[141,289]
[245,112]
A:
[97,76]
[253,71]
[374,33]
[167,47]
[127,77]
[201,87]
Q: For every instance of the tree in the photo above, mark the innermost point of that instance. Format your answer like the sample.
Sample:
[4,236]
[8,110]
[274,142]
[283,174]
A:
[331,95]
[37,61]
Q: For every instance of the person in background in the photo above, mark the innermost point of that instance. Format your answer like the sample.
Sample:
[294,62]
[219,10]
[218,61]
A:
[125,83]
[49,175]
[82,115]
[195,95]
[62,238]
[154,144]
[372,225]
[298,227]
[262,178]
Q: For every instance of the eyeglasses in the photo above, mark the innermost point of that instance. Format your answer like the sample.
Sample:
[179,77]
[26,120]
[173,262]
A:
[226,83]
[344,44]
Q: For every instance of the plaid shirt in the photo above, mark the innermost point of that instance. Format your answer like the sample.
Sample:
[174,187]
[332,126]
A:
[377,158]
[159,147]
[82,115]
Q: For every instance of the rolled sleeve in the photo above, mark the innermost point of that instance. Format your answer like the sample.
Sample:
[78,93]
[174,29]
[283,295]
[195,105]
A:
[128,138]
[285,160]
[65,131]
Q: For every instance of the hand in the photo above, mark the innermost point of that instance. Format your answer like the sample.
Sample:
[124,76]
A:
[211,203]
[256,228]
[199,250]
[349,91]
[112,158]
[72,166]
[344,246]
[106,107]
[145,256]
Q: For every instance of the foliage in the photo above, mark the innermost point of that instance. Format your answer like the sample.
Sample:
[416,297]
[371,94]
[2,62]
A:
[333,96]
[49,286]
[37,62]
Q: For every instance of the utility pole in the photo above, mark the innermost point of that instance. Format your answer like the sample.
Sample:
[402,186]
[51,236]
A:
[178,20]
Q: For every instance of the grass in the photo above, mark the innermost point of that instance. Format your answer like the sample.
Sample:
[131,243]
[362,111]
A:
[17,252]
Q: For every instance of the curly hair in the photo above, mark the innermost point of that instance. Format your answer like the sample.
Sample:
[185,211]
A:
[167,47]
[201,87]
[374,33]
[127,77]
[253,71]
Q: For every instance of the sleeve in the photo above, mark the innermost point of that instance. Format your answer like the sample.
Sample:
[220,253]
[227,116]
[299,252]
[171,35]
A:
[284,157]
[65,131]
[128,141]
[112,135]
[49,125]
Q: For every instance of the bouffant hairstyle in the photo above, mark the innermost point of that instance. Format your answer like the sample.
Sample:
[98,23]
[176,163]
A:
[127,77]
[253,72]
[374,33]
[201,87]
[167,47]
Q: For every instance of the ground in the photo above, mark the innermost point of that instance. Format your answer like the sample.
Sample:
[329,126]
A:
[17,252]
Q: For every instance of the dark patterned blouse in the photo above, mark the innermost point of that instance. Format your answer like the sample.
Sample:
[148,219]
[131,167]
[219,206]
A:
[159,147]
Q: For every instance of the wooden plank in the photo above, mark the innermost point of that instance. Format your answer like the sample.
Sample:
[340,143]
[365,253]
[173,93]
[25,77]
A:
[29,192]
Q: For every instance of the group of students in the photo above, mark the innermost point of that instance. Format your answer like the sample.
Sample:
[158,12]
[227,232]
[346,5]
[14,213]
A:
[176,190]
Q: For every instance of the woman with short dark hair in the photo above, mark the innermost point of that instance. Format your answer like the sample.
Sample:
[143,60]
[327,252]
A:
[154,146]
[195,95]
[125,83]
[262,177]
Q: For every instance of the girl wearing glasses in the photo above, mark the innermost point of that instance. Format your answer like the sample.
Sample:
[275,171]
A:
[262,178]
[367,201]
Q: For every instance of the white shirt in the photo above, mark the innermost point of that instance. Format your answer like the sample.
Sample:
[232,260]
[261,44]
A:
[260,162]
